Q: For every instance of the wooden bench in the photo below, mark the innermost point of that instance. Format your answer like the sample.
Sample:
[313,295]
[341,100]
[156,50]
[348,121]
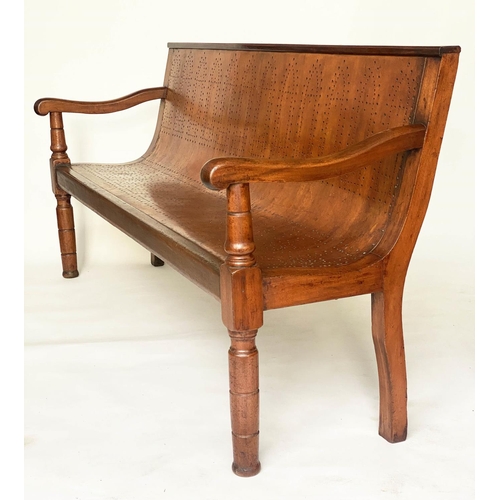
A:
[278,175]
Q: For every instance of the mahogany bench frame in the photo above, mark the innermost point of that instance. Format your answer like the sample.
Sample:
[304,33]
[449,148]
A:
[239,282]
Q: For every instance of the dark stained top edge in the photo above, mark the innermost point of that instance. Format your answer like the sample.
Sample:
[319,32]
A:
[324,49]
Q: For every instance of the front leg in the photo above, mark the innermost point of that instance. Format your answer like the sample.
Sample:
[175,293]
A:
[242,314]
[67,240]
[64,210]
[244,400]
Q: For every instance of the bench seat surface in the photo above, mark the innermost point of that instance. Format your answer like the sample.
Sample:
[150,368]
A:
[186,207]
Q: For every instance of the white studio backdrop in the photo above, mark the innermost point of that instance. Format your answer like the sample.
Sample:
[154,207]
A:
[97,50]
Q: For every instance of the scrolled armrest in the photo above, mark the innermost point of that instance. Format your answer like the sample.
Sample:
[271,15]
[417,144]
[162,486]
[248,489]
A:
[50,105]
[219,173]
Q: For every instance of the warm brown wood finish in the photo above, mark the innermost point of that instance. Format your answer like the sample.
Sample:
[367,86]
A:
[242,313]
[67,240]
[220,173]
[319,161]
[49,105]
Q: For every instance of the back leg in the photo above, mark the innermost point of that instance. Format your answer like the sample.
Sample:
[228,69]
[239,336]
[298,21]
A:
[156,261]
[387,330]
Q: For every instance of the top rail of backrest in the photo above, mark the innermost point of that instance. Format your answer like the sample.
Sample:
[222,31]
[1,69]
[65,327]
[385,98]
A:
[381,50]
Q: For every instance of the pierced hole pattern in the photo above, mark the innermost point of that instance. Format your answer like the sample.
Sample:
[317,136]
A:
[286,105]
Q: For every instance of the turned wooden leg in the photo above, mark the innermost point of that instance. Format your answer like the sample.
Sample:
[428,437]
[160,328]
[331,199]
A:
[156,261]
[244,396]
[64,210]
[67,240]
[242,313]
[387,329]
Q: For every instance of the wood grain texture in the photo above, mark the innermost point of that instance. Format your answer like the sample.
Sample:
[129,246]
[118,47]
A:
[50,105]
[220,173]
[64,209]
[283,288]
[324,49]
[320,162]
[387,331]
[242,313]
[244,402]
[192,262]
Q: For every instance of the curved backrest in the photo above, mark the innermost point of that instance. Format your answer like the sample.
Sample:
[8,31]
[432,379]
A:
[292,102]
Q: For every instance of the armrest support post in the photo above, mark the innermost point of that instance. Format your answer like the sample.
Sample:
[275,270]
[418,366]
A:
[58,140]
[58,147]
[239,244]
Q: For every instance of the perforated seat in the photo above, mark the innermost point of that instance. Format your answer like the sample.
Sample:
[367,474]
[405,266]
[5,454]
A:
[198,214]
